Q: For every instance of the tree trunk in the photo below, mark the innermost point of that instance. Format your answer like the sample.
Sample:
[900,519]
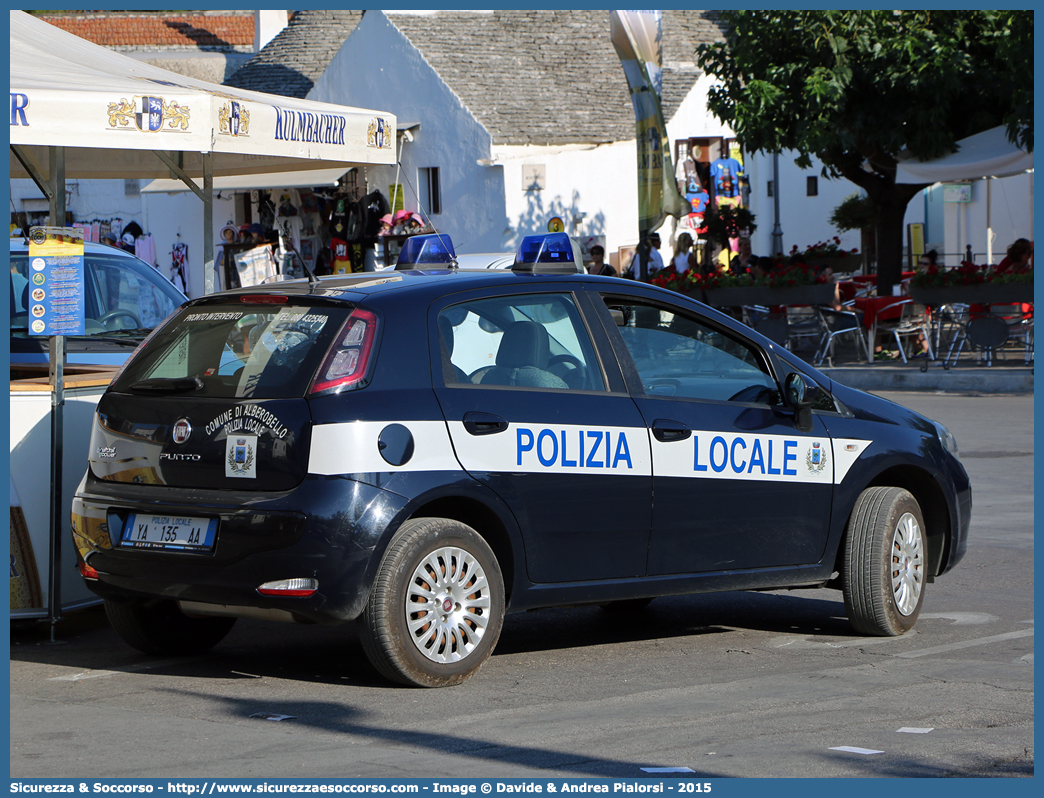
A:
[890,200]
[868,243]
[891,211]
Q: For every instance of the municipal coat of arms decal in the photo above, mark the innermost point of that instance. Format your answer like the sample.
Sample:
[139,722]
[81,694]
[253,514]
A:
[240,456]
[816,458]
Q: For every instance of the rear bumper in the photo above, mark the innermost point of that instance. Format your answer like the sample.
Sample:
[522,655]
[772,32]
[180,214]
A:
[261,537]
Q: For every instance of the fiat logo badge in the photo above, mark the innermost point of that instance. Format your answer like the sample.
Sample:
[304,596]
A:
[182,430]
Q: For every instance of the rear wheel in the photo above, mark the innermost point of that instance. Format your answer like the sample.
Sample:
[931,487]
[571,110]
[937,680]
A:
[436,607]
[161,628]
[885,562]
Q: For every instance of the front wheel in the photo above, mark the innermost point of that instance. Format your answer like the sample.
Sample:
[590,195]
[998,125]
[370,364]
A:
[436,607]
[885,562]
[161,628]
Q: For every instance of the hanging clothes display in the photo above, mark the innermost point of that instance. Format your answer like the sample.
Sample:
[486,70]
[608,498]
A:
[145,248]
[179,267]
[725,175]
[371,208]
[344,227]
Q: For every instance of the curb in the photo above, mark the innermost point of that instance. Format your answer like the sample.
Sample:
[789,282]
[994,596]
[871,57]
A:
[955,380]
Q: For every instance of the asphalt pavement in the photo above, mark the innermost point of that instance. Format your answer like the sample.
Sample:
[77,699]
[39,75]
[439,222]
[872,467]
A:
[729,685]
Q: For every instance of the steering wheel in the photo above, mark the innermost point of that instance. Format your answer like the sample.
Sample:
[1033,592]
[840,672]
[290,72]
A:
[567,358]
[105,318]
[477,375]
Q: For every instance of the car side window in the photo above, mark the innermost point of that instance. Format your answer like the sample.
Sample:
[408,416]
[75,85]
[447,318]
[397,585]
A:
[520,341]
[126,300]
[678,355]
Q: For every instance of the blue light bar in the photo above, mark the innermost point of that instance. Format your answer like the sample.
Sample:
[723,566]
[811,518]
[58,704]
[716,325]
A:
[433,249]
[556,250]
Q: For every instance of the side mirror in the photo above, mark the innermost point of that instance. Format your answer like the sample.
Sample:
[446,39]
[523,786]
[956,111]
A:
[797,397]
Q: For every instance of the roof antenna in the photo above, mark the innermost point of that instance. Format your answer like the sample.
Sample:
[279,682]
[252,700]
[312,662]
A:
[313,281]
[453,263]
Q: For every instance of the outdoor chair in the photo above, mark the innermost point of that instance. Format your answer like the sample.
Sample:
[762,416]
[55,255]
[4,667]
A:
[836,323]
[912,323]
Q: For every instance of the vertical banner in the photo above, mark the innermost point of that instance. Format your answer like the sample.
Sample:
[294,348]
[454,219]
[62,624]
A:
[637,37]
[55,294]
[397,202]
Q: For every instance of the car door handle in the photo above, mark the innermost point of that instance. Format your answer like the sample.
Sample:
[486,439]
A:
[483,423]
[668,431]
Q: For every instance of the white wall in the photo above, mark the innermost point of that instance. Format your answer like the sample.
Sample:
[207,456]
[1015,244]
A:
[377,67]
[593,189]
[86,199]
[163,215]
[1011,217]
[168,215]
[806,220]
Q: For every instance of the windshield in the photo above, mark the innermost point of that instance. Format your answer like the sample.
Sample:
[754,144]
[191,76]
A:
[235,351]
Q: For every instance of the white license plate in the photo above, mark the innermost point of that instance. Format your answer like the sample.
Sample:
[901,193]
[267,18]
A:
[184,533]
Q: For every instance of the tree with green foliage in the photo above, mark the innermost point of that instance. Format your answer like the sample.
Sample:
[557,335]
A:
[861,90]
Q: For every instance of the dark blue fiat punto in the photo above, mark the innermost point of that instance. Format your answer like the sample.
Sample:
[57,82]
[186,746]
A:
[425,449]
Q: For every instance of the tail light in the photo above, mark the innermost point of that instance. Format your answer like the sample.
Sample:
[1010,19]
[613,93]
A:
[290,588]
[86,571]
[346,365]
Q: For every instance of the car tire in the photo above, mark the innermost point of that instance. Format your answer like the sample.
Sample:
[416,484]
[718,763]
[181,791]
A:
[885,565]
[161,628]
[405,635]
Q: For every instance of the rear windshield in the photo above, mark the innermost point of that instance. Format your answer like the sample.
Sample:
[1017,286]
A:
[232,351]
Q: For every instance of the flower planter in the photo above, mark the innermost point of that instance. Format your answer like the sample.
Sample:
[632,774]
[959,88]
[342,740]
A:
[983,294]
[819,294]
[840,264]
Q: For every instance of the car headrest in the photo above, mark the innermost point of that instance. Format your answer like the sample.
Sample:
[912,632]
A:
[525,343]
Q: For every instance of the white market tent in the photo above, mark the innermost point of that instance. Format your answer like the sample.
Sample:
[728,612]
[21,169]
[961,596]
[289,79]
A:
[79,110]
[985,155]
[309,179]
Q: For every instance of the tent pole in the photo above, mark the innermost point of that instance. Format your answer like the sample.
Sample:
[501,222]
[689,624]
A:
[989,224]
[56,344]
[179,173]
[56,175]
[34,171]
[208,223]
[56,369]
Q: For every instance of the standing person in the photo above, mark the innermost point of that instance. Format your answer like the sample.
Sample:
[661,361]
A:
[598,264]
[655,259]
[684,258]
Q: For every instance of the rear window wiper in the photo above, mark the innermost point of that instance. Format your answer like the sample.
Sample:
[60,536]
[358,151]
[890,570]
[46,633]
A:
[168,385]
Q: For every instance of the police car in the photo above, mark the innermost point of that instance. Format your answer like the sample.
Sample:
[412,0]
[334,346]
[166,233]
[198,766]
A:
[425,449]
